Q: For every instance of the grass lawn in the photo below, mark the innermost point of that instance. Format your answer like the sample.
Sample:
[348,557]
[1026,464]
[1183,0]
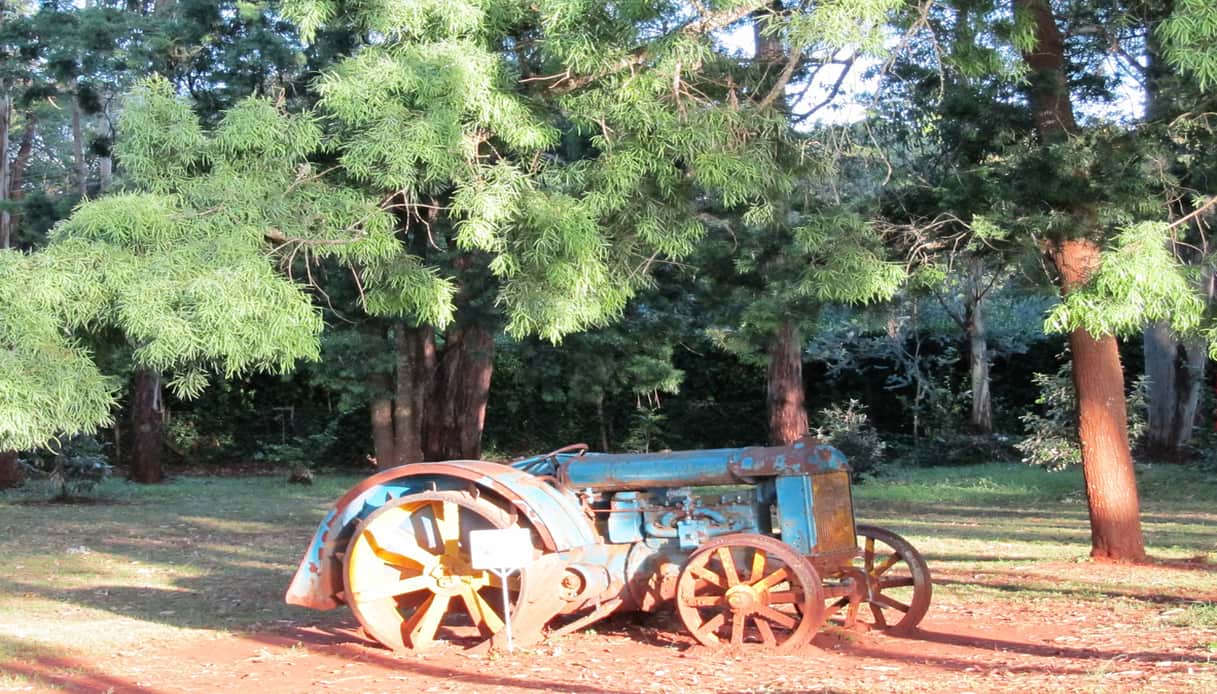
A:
[148,567]
[152,564]
[993,520]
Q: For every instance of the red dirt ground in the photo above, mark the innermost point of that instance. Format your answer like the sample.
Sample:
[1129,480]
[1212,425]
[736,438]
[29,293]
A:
[1022,646]
[1119,640]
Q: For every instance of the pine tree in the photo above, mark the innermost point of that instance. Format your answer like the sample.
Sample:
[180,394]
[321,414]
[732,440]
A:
[177,263]
[1083,191]
[545,156]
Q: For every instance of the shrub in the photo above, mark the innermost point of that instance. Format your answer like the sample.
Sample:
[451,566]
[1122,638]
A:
[848,428]
[952,448]
[1052,434]
[302,452]
[648,431]
[76,468]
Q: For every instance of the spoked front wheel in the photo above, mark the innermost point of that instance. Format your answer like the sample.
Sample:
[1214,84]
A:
[747,588]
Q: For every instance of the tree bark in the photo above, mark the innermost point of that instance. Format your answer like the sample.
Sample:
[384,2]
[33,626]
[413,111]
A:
[415,351]
[380,411]
[147,427]
[78,145]
[785,399]
[16,177]
[10,471]
[11,474]
[105,173]
[978,351]
[456,409]
[603,422]
[6,124]
[1175,367]
[1098,378]
[1176,374]
[787,414]
[1049,87]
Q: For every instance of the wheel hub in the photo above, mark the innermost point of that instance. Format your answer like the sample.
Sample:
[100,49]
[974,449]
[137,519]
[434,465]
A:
[742,598]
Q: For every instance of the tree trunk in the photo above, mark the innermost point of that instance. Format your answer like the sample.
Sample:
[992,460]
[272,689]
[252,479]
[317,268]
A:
[16,178]
[456,409]
[6,124]
[147,428]
[978,352]
[105,172]
[1111,486]
[785,401]
[1176,374]
[380,411]
[10,471]
[415,351]
[600,418]
[1049,88]
[1098,378]
[787,414]
[78,145]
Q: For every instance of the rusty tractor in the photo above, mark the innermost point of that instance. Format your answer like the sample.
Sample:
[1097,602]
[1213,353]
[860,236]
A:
[753,545]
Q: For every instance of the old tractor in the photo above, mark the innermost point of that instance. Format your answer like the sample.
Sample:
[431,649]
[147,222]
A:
[753,545]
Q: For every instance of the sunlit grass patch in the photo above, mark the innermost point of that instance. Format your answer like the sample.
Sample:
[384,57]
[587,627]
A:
[1022,534]
[1199,614]
[154,564]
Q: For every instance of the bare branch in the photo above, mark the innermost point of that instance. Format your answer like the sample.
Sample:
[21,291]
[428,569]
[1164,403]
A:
[279,237]
[1194,213]
[779,87]
[833,92]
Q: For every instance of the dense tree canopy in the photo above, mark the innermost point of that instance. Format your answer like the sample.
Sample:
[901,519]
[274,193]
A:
[617,206]
[178,262]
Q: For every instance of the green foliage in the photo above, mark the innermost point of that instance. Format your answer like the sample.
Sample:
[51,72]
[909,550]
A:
[1190,38]
[596,384]
[849,429]
[178,264]
[406,288]
[1139,281]
[647,432]
[844,23]
[49,384]
[845,260]
[572,143]
[76,468]
[1052,434]
[303,452]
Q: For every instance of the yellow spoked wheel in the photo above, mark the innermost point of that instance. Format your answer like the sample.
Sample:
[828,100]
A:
[746,588]
[407,571]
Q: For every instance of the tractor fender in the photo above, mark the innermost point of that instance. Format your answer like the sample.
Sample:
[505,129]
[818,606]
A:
[554,515]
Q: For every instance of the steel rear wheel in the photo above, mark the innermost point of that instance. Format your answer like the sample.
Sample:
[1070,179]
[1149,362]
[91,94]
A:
[894,584]
[749,589]
[408,575]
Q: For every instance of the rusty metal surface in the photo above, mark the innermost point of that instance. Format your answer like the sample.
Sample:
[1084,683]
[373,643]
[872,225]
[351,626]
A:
[807,456]
[834,513]
[615,530]
[750,589]
[701,468]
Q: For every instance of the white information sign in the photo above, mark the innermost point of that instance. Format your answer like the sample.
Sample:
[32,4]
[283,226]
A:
[507,549]
[502,551]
